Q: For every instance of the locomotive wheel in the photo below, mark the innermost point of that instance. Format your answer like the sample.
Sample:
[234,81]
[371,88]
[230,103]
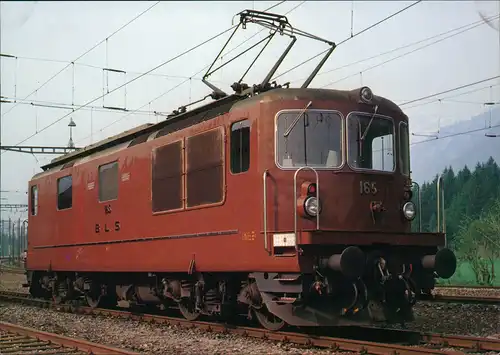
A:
[93,300]
[58,295]
[188,311]
[62,291]
[269,320]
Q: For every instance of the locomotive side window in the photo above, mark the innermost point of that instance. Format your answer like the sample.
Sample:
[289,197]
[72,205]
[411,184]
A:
[167,178]
[65,192]
[205,168]
[404,148]
[370,142]
[240,146]
[108,182]
[34,200]
[313,139]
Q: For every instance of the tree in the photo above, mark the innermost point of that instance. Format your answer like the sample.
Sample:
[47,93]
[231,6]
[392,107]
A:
[478,242]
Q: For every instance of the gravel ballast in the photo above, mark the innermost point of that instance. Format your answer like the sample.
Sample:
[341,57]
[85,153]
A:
[143,337]
[462,319]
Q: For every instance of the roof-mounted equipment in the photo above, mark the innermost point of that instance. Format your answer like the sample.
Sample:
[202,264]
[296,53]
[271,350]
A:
[276,24]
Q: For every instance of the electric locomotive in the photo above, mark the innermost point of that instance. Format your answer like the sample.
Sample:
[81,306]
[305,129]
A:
[290,205]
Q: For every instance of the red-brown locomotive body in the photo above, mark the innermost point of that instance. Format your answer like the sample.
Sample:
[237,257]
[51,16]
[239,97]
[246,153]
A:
[291,204]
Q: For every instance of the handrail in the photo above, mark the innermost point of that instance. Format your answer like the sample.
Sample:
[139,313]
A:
[419,211]
[295,200]
[264,176]
[440,205]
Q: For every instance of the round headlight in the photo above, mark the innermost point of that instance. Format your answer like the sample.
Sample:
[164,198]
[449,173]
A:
[366,95]
[311,206]
[409,210]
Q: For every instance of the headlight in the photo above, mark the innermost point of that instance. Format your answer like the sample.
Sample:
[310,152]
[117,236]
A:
[311,206]
[366,95]
[409,210]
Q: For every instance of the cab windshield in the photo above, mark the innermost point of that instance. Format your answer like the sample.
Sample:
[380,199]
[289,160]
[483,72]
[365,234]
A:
[309,138]
[370,142]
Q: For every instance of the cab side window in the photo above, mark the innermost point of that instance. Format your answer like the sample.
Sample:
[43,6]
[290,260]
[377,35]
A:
[65,192]
[240,146]
[34,200]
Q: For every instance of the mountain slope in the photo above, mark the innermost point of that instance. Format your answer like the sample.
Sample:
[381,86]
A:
[430,158]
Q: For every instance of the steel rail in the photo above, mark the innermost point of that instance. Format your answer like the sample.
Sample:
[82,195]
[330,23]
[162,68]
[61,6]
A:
[479,287]
[25,339]
[484,300]
[486,344]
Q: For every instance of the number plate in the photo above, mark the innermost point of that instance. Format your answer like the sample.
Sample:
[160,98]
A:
[367,187]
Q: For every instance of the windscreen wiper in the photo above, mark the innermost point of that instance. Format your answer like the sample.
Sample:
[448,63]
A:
[369,123]
[287,132]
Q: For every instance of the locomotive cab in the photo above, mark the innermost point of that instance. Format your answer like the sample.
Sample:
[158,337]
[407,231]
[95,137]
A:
[338,196]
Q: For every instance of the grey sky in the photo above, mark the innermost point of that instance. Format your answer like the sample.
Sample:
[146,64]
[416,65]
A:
[64,30]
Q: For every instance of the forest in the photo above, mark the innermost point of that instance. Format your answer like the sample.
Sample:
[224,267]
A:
[472,213]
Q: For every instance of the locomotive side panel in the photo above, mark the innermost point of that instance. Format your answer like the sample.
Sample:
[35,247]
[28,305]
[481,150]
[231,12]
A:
[117,229]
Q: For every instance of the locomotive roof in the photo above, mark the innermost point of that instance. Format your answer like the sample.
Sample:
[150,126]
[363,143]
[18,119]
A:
[141,133]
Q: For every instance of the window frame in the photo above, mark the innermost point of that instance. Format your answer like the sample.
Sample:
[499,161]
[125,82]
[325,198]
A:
[394,142]
[99,181]
[57,193]
[222,131]
[183,176]
[32,200]
[400,156]
[342,141]
[231,146]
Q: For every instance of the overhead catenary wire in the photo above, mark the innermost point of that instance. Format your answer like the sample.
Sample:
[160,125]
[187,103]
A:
[138,77]
[461,30]
[348,39]
[405,54]
[85,53]
[450,90]
[188,78]
[128,82]
[51,60]
[64,106]
[452,96]
[456,134]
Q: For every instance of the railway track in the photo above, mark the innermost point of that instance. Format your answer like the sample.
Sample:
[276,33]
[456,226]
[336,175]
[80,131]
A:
[15,339]
[396,341]
[485,300]
[11,269]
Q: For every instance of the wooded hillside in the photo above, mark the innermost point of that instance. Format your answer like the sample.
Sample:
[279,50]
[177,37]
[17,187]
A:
[472,207]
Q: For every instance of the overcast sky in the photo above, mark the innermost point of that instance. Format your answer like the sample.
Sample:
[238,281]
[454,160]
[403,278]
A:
[62,31]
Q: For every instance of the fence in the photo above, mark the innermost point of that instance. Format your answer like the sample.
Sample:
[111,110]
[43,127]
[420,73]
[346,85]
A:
[13,240]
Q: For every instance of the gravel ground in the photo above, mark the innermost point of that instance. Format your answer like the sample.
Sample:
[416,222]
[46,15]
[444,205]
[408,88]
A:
[466,319]
[469,291]
[12,282]
[143,337]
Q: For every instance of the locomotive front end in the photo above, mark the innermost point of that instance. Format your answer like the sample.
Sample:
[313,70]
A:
[348,218]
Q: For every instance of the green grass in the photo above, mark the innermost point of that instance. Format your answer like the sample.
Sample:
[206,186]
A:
[465,276]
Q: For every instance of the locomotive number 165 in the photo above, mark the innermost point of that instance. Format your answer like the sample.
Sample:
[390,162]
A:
[367,188]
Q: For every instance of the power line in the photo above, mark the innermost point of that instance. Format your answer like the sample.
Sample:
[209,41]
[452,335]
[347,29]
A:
[405,54]
[349,38]
[452,96]
[102,68]
[457,134]
[449,90]
[401,47]
[80,56]
[63,106]
[204,68]
[128,82]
